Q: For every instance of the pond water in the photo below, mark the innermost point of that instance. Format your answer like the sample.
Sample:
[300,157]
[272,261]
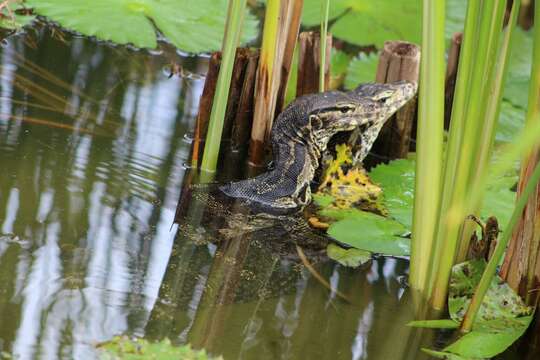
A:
[93,142]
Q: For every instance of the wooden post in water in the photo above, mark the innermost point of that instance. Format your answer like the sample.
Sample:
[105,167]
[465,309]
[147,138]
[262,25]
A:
[451,74]
[309,62]
[239,111]
[278,42]
[521,266]
[399,60]
[292,37]
[241,127]
[205,107]
[237,84]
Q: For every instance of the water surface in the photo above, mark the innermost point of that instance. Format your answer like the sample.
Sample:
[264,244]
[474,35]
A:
[93,142]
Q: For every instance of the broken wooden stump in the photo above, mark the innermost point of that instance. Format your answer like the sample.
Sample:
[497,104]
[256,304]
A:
[238,115]
[399,60]
[205,108]
[451,75]
[241,127]
[309,62]
[274,62]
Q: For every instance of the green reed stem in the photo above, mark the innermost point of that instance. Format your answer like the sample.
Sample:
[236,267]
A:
[473,122]
[491,115]
[233,30]
[457,122]
[325,6]
[429,142]
[527,140]
[500,248]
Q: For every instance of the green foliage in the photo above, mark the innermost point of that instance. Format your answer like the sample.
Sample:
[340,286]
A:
[502,319]
[371,232]
[519,69]
[191,27]
[455,16]
[361,69]
[500,306]
[122,347]
[348,257]
[511,122]
[339,62]
[373,22]
[435,324]
[375,233]
[397,181]
[500,199]
[10,19]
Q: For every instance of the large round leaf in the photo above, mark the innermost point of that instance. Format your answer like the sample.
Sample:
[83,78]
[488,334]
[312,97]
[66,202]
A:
[365,22]
[371,232]
[368,22]
[190,26]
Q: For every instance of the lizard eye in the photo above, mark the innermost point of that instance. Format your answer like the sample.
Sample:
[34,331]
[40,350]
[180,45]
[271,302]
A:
[345,109]
[383,95]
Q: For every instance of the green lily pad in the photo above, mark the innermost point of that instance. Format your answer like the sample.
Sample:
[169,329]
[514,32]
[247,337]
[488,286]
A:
[446,355]
[373,22]
[339,63]
[485,345]
[455,16]
[501,320]
[348,257]
[501,304]
[397,181]
[191,27]
[500,198]
[519,69]
[362,69]
[370,232]
[122,347]
[10,19]
[435,324]
[511,122]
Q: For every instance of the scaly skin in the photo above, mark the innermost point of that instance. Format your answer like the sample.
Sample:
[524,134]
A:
[301,133]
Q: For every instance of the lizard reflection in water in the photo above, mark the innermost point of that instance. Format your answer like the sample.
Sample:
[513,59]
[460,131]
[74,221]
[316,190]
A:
[299,138]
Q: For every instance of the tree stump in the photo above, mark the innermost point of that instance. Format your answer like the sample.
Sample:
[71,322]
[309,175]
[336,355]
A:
[309,62]
[451,74]
[399,60]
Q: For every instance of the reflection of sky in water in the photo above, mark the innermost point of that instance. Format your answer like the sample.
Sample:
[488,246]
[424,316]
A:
[94,211]
[92,169]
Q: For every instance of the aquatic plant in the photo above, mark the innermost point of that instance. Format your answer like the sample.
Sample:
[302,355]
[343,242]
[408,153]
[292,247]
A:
[191,28]
[233,30]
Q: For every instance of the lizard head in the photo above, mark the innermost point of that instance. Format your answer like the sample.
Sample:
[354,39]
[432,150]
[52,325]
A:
[367,107]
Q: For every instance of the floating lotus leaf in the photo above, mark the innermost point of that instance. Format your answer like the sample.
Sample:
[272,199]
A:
[348,257]
[192,27]
[370,232]
[375,22]
[362,69]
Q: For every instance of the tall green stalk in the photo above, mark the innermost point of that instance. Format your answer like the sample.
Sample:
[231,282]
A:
[491,116]
[451,220]
[457,122]
[325,6]
[233,30]
[429,142]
